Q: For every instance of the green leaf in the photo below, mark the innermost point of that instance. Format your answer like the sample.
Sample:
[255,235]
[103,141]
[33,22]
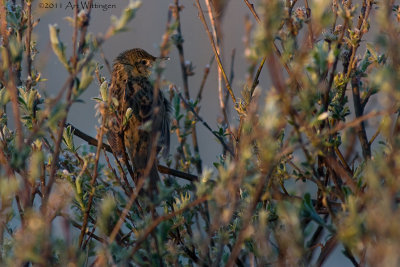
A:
[104,91]
[87,76]
[127,15]
[57,45]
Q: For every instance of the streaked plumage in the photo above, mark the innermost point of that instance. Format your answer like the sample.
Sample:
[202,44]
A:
[132,88]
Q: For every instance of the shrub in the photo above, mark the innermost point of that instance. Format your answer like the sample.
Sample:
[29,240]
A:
[300,174]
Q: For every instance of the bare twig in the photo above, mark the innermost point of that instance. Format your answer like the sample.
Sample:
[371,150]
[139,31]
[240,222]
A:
[326,250]
[376,134]
[309,24]
[203,81]
[183,175]
[92,182]
[343,173]
[253,87]
[108,66]
[179,45]
[78,226]
[362,134]
[357,121]
[252,10]
[84,26]
[28,45]
[217,40]
[203,20]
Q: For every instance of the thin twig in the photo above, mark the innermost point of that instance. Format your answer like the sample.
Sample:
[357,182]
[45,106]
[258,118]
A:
[28,45]
[342,159]
[78,226]
[252,10]
[376,134]
[217,41]
[126,187]
[179,46]
[276,49]
[203,81]
[357,121]
[309,24]
[92,182]
[361,131]
[85,24]
[332,162]
[188,106]
[203,20]
[326,250]
[185,75]
[253,87]
[183,175]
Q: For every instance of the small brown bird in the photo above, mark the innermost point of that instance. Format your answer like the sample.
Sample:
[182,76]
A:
[139,113]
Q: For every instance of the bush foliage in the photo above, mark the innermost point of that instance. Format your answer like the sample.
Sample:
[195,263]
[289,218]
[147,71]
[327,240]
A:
[309,170]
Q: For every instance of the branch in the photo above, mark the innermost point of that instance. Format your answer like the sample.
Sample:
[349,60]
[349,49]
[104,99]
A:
[203,81]
[162,169]
[10,82]
[203,20]
[185,75]
[218,47]
[28,45]
[188,106]
[358,109]
[357,121]
[92,182]
[252,10]
[78,226]
[278,53]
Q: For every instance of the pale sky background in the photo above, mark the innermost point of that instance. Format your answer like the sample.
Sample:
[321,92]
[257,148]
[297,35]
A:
[145,31]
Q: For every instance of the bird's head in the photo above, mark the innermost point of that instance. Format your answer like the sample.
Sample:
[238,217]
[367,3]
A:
[137,61]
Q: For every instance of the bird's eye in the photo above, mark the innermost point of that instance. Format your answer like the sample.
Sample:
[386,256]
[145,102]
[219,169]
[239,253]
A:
[144,62]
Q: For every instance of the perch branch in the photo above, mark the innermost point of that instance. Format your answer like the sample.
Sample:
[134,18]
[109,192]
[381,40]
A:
[162,169]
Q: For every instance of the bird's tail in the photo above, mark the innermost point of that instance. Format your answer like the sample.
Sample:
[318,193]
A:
[141,158]
[154,178]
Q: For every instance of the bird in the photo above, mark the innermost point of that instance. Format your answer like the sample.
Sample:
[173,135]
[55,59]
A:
[139,114]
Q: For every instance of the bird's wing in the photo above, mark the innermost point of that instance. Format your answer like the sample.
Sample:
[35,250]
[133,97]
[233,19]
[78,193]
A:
[139,98]
[165,130]
[113,134]
[114,138]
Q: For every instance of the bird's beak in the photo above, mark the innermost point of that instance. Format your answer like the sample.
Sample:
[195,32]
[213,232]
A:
[159,59]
